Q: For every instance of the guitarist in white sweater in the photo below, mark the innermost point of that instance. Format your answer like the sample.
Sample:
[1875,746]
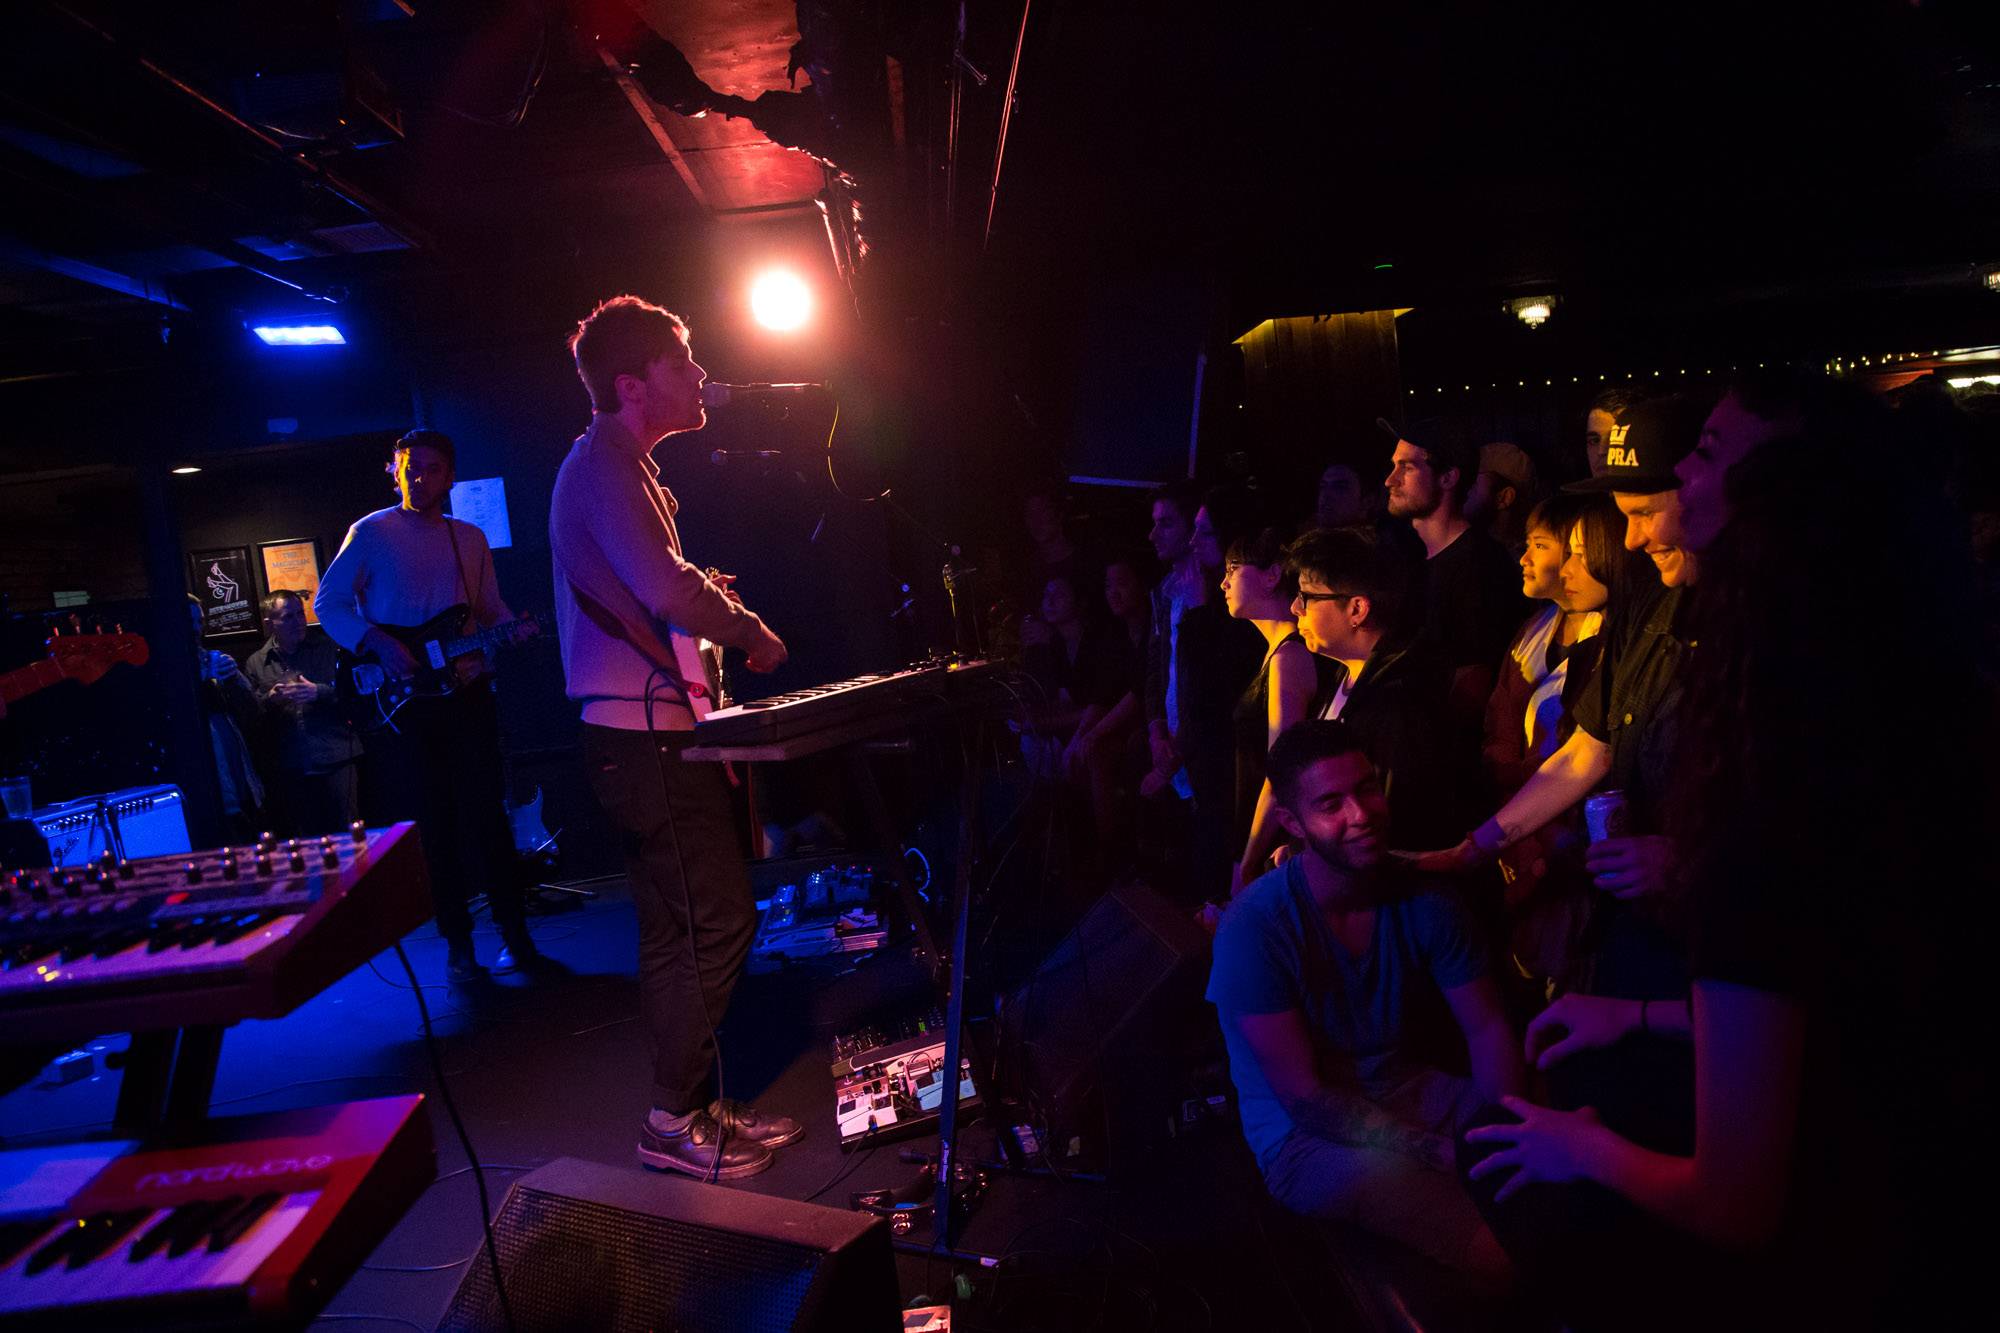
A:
[624,596]
[440,765]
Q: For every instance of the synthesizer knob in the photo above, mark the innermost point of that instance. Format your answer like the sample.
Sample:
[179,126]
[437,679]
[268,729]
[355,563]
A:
[193,872]
[264,864]
[329,857]
[297,860]
[125,870]
[229,865]
[267,841]
[38,890]
[358,831]
[70,885]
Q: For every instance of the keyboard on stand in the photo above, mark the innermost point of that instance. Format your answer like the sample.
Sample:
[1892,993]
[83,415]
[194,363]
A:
[234,1223]
[802,722]
[203,938]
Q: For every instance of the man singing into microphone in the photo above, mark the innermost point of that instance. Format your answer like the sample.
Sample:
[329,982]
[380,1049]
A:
[622,591]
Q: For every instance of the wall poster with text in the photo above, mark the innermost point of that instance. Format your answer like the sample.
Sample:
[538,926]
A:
[222,581]
[294,566]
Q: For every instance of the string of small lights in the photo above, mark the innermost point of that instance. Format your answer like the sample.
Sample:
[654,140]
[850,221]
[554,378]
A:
[1840,365]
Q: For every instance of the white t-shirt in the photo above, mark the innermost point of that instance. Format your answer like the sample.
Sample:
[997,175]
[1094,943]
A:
[1529,654]
[397,567]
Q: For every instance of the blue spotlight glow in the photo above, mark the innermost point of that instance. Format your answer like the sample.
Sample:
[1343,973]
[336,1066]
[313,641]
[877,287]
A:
[300,335]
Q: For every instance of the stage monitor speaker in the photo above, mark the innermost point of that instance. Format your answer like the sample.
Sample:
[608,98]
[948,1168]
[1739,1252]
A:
[1094,1040]
[620,1250]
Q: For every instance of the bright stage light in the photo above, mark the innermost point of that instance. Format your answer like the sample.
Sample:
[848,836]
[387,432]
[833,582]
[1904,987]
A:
[780,300]
[299,335]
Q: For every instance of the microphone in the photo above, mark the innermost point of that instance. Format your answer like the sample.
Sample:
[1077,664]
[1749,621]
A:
[717,394]
[724,457]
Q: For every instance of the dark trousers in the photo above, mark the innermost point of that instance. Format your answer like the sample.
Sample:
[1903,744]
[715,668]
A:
[697,916]
[310,804]
[443,769]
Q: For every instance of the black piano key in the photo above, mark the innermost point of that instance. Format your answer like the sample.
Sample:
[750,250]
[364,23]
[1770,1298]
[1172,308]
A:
[85,1239]
[230,1229]
[182,1229]
[19,1235]
[104,1233]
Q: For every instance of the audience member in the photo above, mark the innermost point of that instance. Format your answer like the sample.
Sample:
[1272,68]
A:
[1259,588]
[229,713]
[1502,493]
[1831,1007]
[1340,502]
[1471,589]
[1317,968]
[1625,719]
[1393,685]
[1525,712]
[1054,549]
[314,753]
[1172,537]
[1102,748]
[1599,421]
[1216,656]
[1077,660]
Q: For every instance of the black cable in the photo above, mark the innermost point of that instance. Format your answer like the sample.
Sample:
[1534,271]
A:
[464,1139]
[846,1169]
[687,903]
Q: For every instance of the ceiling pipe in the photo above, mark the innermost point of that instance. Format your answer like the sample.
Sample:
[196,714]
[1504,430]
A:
[20,252]
[353,195]
[231,252]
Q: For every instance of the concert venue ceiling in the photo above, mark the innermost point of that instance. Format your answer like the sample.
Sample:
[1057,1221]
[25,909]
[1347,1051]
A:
[1707,171]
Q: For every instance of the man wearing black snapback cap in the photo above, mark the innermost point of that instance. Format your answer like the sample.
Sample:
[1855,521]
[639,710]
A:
[1625,719]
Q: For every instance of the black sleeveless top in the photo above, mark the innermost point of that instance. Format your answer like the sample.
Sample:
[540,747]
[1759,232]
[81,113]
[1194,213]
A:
[1250,723]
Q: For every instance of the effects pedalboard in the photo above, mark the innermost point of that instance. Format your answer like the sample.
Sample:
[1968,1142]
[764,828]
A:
[889,1084]
[832,910]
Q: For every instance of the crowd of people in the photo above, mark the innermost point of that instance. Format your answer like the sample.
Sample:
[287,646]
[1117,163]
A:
[1621,775]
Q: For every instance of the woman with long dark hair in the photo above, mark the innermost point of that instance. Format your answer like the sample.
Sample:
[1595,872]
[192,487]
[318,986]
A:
[1827,794]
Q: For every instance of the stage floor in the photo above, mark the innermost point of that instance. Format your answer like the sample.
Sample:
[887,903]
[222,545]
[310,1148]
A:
[559,1069]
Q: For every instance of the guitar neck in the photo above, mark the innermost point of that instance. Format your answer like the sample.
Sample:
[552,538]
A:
[477,642]
[24,681]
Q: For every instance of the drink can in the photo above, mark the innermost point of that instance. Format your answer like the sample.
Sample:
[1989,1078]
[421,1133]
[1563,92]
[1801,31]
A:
[1605,816]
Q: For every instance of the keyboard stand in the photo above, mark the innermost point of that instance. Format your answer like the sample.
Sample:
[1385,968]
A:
[169,1077]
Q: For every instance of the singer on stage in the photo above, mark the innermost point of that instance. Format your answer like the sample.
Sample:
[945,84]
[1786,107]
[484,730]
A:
[623,590]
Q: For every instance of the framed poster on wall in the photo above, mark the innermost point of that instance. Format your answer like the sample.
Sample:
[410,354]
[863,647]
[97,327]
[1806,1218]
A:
[293,565]
[222,581]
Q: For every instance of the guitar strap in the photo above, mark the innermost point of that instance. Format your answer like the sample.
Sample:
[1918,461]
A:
[458,562]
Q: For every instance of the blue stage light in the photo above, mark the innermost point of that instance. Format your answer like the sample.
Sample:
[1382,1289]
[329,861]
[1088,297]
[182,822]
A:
[299,335]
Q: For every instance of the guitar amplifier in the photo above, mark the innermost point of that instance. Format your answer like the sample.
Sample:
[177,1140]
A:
[149,821]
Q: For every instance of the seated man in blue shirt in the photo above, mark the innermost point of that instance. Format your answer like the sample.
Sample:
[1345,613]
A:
[1318,966]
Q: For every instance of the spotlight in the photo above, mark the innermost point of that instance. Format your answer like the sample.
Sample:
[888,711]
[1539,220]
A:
[1992,280]
[299,335]
[780,300]
[187,471]
[1534,311]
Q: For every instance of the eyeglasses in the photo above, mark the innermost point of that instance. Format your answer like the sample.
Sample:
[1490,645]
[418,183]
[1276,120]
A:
[1308,598]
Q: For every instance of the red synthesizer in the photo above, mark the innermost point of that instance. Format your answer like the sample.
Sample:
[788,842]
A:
[242,1222]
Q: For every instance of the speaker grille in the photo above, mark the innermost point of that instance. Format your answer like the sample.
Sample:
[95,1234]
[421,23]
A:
[574,1264]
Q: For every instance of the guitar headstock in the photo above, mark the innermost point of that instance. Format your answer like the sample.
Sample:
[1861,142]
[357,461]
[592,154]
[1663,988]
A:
[86,657]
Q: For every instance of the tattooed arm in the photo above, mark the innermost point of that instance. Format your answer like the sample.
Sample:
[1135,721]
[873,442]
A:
[1284,1053]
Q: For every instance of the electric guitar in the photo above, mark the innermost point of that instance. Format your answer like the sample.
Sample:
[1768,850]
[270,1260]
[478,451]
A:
[700,665]
[448,658]
[78,657]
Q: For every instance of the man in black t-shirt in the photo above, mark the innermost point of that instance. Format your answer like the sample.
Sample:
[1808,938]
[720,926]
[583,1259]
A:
[1470,587]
